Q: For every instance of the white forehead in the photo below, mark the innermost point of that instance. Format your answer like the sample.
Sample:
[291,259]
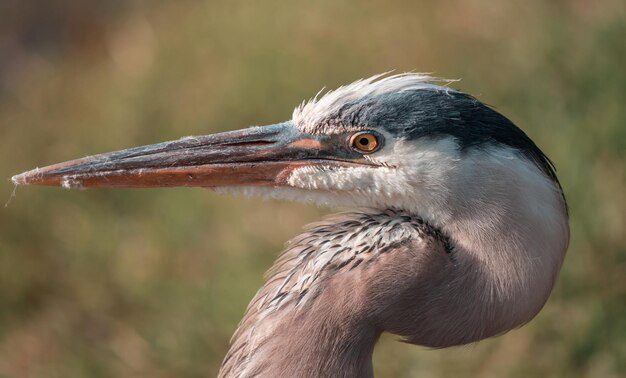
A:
[310,114]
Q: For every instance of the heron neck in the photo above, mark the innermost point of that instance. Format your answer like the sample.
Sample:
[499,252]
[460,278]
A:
[319,342]
[321,339]
[315,314]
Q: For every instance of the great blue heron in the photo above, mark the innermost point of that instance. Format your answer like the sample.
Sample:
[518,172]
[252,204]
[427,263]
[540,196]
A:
[458,231]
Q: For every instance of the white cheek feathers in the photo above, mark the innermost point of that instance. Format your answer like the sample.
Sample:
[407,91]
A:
[414,176]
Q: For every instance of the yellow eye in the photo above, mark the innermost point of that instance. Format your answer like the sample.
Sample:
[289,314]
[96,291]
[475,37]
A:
[365,142]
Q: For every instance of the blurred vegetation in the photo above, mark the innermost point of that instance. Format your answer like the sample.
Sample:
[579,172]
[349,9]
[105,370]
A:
[152,283]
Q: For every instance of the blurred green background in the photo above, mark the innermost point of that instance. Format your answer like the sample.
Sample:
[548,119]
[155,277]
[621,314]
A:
[152,283]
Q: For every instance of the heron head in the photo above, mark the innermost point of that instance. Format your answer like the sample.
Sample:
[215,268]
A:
[397,141]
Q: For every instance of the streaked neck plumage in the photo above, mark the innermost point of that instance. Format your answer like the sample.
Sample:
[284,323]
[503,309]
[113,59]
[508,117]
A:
[328,297]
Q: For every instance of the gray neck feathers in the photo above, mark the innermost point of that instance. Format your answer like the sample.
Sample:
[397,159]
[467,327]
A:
[352,276]
[333,291]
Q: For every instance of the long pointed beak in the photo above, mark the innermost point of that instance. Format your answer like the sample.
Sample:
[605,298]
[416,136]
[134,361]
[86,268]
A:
[254,156]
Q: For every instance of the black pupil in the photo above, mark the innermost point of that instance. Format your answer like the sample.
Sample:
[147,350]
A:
[364,141]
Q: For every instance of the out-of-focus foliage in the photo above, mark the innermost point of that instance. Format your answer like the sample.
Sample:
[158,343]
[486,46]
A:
[152,283]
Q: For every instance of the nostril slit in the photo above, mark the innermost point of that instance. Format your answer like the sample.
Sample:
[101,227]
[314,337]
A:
[250,143]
